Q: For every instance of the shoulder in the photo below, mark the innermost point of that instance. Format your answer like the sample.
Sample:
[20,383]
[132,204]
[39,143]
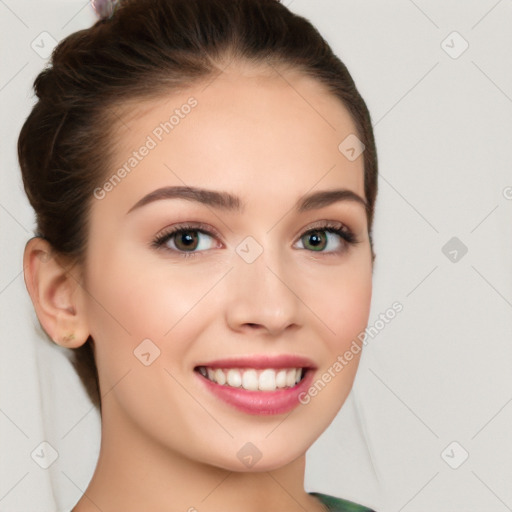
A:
[339,505]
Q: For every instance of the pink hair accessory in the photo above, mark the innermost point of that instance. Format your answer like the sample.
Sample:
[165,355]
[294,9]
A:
[104,8]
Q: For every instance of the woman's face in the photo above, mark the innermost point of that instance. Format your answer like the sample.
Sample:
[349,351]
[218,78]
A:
[244,295]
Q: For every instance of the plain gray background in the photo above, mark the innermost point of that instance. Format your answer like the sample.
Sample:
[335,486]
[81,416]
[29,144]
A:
[427,425]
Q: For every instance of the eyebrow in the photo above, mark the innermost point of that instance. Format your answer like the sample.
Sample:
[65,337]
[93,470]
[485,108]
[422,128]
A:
[229,202]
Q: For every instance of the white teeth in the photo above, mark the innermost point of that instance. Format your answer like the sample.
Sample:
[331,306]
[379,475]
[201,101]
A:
[234,378]
[220,377]
[268,379]
[290,377]
[250,380]
[281,379]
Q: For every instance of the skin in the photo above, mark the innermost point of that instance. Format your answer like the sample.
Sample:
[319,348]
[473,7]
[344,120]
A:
[167,444]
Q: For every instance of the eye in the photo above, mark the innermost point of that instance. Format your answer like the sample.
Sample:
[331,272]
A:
[334,235]
[186,239]
[190,240]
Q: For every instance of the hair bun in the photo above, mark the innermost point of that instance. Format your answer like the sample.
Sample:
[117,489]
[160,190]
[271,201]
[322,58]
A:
[43,83]
[104,8]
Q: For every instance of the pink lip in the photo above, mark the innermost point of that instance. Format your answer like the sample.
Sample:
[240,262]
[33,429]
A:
[263,361]
[261,402]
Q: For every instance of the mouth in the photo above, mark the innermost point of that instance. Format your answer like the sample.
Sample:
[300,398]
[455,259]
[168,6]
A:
[254,379]
[258,385]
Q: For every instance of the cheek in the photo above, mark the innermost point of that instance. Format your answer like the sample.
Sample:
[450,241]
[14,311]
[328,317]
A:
[342,301]
[351,315]
[138,309]
[133,299]
[341,306]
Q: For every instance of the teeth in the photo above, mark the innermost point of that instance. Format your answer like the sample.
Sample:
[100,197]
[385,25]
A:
[290,377]
[234,378]
[281,379]
[251,379]
[267,380]
[220,377]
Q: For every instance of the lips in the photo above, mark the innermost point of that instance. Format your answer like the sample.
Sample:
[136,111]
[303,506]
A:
[258,384]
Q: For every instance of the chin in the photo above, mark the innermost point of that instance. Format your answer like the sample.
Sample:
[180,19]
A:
[261,456]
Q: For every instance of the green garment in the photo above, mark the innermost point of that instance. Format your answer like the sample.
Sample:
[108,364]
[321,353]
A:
[339,505]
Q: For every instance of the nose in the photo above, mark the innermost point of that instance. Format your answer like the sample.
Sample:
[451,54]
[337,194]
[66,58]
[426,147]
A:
[260,296]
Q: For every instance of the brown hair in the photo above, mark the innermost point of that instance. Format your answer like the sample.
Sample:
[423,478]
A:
[147,49]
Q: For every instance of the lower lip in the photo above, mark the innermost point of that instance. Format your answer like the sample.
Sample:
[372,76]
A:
[260,402]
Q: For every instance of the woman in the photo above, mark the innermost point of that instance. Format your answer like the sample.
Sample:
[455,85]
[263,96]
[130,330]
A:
[204,177]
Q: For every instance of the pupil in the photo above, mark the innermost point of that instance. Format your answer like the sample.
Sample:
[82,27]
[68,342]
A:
[317,240]
[187,239]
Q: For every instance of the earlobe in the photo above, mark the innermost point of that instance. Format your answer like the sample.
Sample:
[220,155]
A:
[56,294]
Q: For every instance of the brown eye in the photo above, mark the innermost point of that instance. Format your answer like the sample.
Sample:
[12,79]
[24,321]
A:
[185,240]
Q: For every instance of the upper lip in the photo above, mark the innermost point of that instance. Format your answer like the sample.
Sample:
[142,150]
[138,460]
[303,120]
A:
[261,361]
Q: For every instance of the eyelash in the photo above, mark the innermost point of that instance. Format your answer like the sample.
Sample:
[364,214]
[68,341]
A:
[347,236]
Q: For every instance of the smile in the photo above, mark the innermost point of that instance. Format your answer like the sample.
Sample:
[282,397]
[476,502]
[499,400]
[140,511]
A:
[257,384]
[252,379]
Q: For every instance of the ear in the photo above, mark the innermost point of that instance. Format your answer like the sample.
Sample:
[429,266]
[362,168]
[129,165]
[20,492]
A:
[56,294]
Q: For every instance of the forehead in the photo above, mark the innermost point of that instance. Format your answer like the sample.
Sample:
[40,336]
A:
[249,129]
